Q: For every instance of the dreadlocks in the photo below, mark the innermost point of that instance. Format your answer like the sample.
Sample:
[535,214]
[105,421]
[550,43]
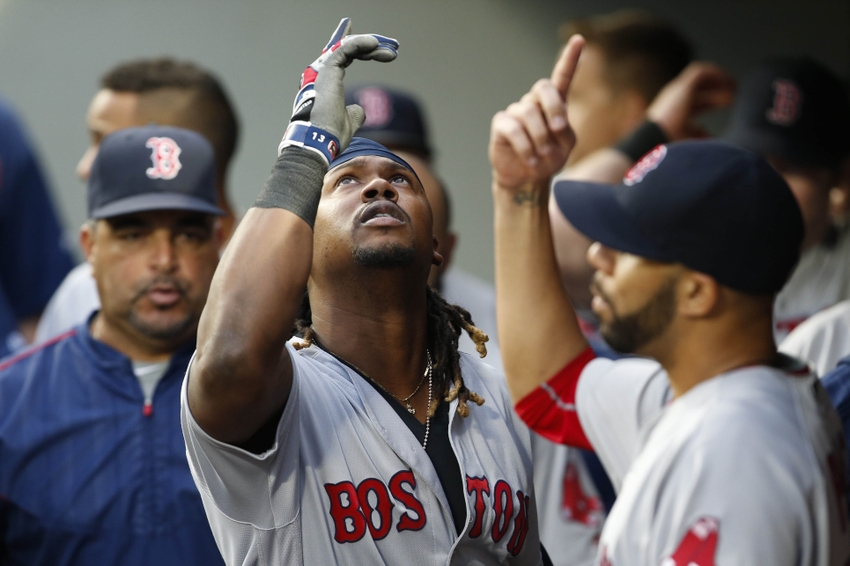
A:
[445,323]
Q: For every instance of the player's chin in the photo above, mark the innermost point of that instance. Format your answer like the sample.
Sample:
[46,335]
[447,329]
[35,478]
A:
[384,254]
[167,325]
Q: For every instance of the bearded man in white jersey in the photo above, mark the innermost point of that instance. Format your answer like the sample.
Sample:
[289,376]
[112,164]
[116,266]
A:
[368,440]
[723,451]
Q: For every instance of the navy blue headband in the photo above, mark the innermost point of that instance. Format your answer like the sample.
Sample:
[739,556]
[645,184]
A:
[360,147]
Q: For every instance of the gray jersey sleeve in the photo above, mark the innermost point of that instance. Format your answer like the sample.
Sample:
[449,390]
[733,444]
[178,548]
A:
[614,399]
[238,488]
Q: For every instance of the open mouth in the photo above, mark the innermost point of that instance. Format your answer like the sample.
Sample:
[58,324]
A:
[164,295]
[383,213]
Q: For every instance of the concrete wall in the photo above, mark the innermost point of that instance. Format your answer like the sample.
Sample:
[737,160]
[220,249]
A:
[466,59]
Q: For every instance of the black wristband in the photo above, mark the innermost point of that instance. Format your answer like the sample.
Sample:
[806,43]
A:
[295,183]
[642,140]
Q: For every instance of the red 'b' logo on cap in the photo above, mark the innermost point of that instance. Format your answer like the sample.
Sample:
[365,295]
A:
[377,105]
[646,164]
[786,103]
[165,155]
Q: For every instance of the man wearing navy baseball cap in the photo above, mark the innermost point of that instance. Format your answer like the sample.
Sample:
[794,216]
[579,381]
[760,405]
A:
[92,464]
[722,451]
[796,113]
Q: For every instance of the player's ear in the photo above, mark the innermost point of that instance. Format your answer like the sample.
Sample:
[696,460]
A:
[437,258]
[88,239]
[698,294]
[447,248]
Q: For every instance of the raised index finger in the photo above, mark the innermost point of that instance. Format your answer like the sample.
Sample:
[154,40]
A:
[562,74]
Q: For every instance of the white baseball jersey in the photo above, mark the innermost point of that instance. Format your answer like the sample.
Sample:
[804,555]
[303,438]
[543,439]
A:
[568,503]
[347,482]
[745,468]
[821,340]
[820,280]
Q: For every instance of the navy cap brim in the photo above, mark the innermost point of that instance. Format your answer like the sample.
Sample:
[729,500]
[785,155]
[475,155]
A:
[155,201]
[593,209]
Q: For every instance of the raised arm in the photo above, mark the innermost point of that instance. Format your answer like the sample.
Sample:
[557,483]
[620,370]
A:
[529,143]
[242,373]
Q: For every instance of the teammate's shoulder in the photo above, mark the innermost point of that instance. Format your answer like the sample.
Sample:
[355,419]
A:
[316,363]
[35,353]
[24,370]
[760,404]
[484,379]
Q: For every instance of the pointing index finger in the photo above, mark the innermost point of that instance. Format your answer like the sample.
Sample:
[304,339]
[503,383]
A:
[562,74]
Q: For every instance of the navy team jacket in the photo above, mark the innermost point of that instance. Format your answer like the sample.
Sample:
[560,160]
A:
[88,474]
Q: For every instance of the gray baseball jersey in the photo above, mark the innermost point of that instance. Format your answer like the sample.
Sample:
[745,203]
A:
[346,481]
[745,468]
[820,280]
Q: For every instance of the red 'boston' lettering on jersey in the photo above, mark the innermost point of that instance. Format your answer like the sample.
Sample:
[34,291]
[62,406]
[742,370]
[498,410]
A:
[477,487]
[550,410]
[349,522]
[576,505]
[406,522]
[503,505]
[383,507]
[520,526]
[355,509]
[698,546]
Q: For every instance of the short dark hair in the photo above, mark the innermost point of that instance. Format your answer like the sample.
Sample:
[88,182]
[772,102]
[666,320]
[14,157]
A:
[641,52]
[207,110]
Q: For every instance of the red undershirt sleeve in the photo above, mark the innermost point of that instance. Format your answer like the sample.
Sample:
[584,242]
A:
[550,410]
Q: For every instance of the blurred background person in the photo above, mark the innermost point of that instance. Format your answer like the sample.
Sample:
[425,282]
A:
[161,91]
[796,113]
[33,256]
[629,57]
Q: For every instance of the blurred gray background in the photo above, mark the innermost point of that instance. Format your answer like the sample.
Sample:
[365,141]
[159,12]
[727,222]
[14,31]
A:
[466,59]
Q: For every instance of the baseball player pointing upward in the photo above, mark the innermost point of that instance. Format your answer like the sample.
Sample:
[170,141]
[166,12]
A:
[723,451]
[372,444]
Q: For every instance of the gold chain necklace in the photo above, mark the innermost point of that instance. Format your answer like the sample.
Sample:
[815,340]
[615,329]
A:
[407,399]
[429,372]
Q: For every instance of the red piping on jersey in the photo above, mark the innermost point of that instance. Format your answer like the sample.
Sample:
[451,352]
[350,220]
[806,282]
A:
[550,410]
[35,349]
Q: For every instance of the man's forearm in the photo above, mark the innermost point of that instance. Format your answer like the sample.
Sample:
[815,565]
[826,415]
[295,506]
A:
[241,375]
[538,330]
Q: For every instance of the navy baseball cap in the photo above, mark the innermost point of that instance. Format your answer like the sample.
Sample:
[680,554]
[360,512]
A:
[793,108]
[393,118]
[152,168]
[714,207]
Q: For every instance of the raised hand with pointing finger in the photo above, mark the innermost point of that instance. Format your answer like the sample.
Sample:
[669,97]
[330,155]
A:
[531,140]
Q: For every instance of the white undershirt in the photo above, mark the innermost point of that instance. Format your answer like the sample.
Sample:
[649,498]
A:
[149,374]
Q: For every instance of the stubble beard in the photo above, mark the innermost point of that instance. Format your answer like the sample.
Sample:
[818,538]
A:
[386,256]
[628,334]
[162,331]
